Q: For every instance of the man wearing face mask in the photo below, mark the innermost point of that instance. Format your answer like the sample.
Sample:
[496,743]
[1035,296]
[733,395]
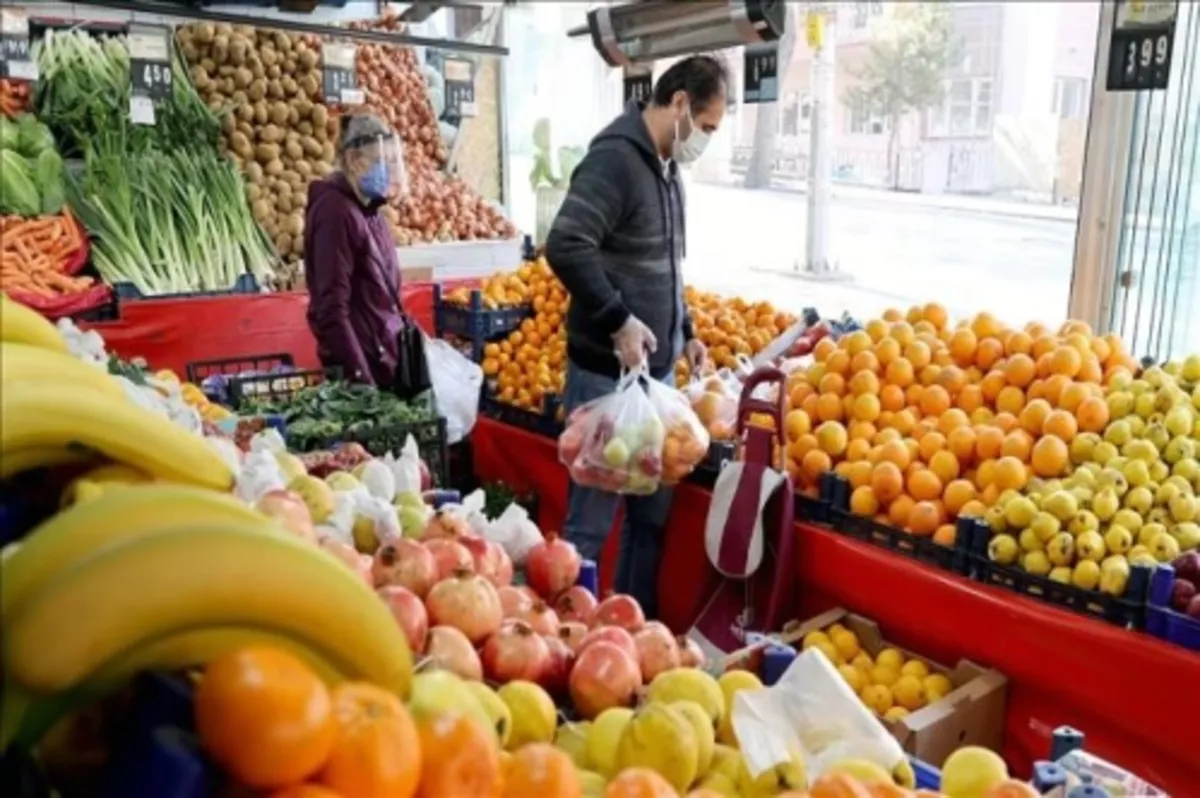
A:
[618,245]
[350,262]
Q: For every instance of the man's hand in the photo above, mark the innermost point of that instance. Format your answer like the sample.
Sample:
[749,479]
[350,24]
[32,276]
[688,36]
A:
[632,342]
[697,354]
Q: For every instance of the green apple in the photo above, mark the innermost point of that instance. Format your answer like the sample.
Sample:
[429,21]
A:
[1140,500]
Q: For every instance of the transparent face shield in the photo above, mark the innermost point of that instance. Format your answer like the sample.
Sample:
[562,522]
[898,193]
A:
[383,172]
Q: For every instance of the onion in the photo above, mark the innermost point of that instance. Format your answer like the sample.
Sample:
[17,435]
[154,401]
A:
[576,603]
[515,652]
[450,650]
[409,613]
[467,602]
[543,619]
[552,566]
[603,677]
[406,563]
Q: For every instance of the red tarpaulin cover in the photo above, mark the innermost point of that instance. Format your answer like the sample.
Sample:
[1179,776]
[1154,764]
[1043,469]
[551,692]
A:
[1136,698]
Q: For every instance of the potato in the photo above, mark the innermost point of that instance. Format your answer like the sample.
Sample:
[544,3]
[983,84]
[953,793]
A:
[307,58]
[240,144]
[305,128]
[283,243]
[327,152]
[283,42]
[311,86]
[274,167]
[260,207]
[283,203]
[257,89]
[269,56]
[294,224]
[290,87]
[303,169]
[242,77]
[311,146]
[254,173]
[274,71]
[261,112]
[266,153]
[239,48]
[226,70]
[270,134]
[293,149]
[320,116]
[220,49]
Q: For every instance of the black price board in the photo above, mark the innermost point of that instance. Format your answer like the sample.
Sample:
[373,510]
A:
[1142,44]
[761,73]
[339,76]
[150,61]
[16,57]
[639,84]
[459,77]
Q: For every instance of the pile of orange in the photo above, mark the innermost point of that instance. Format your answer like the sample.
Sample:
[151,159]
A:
[501,290]
[929,421]
[731,327]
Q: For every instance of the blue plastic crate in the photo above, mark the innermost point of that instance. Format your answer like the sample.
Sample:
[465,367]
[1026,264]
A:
[1164,622]
[128,292]
[475,323]
[927,776]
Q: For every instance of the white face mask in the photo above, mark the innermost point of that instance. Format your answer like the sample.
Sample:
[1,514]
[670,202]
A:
[689,149]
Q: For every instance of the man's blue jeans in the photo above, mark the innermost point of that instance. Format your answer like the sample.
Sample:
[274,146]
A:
[590,512]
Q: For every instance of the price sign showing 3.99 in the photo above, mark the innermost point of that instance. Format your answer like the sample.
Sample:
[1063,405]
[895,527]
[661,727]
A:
[150,61]
[1141,46]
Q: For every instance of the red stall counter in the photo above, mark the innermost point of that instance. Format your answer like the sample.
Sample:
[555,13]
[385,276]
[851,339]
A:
[1135,697]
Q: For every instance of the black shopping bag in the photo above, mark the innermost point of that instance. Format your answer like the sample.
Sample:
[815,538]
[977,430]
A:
[412,369]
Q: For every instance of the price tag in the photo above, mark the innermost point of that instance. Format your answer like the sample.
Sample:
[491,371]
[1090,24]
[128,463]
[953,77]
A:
[761,73]
[639,83]
[339,77]
[16,56]
[459,75]
[150,62]
[141,110]
[1142,44]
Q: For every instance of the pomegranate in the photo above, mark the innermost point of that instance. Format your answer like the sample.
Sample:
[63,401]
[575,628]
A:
[572,633]
[543,619]
[657,650]
[426,477]
[450,650]
[487,557]
[450,556]
[603,677]
[406,563]
[468,602]
[513,600]
[504,571]
[409,612]
[552,566]
[690,653]
[363,569]
[347,554]
[576,603]
[445,525]
[610,634]
[557,674]
[620,610]
[515,652]
[290,511]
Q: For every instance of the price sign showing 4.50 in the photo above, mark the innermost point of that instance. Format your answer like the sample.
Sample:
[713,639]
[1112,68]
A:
[150,61]
[1141,46]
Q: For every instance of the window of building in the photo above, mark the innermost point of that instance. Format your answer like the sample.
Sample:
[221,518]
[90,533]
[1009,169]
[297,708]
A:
[966,111]
[862,121]
[1070,98]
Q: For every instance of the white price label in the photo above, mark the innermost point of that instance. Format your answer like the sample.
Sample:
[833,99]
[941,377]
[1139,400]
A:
[23,70]
[141,110]
[148,44]
[339,55]
[468,109]
[13,21]
[353,97]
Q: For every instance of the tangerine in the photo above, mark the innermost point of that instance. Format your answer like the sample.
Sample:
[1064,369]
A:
[1018,444]
[1019,370]
[376,753]
[930,444]
[958,494]
[988,353]
[961,442]
[1033,416]
[1092,414]
[543,770]
[1049,457]
[638,783]
[886,480]
[951,420]
[838,785]
[458,757]
[815,463]
[829,407]
[887,350]
[865,407]
[934,400]
[899,510]
[924,518]
[924,485]
[1019,343]
[1010,474]
[863,501]
[963,344]
[945,535]
[895,451]
[899,372]
[1011,400]
[944,466]
[1061,425]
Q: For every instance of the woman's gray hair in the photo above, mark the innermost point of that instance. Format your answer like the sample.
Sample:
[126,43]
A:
[361,127]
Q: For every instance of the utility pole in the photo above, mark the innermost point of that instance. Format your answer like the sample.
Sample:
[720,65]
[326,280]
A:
[821,33]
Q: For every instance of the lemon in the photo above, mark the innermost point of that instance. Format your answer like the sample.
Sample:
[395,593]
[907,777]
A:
[846,644]
[915,667]
[890,657]
[971,772]
[783,777]
[660,738]
[703,729]
[602,739]
[730,683]
[853,676]
[895,714]
[812,638]
[909,692]
[885,675]
[534,717]
[877,697]
[937,686]
[496,709]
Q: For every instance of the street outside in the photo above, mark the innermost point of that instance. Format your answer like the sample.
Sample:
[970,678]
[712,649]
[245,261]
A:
[966,253]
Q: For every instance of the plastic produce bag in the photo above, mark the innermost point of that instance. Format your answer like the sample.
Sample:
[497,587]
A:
[268,440]
[259,475]
[686,439]
[456,383]
[810,710]
[615,443]
[406,468]
[715,401]
[374,519]
[516,533]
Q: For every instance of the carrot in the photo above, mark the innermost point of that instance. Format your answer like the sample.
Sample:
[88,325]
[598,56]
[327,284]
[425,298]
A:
[35,252]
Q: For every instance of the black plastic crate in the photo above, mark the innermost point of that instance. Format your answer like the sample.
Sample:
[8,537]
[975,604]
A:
[197,370]
[475,323]
[431,441]
[276,387]
[545,422]
[835,501]
[128,292]
[109,311]
[707,470]
[1127,611]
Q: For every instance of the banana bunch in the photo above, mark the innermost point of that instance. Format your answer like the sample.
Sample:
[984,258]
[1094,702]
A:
[162,577]
[56,409]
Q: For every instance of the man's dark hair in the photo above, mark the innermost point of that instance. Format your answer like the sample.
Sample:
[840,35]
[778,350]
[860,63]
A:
[703,77]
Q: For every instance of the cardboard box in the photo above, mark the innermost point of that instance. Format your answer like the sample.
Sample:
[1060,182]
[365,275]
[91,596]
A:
[972,714]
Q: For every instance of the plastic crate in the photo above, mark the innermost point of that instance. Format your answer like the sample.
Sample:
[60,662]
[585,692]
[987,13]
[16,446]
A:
[1162,620]
[276,387]
[707,470]
[545,422]
[836,498]
[1128,610]
[430,437]
[233,366]
[128,292]
[475,323]
[926,776]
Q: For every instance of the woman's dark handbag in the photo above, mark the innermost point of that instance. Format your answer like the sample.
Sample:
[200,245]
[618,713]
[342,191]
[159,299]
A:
[412,370]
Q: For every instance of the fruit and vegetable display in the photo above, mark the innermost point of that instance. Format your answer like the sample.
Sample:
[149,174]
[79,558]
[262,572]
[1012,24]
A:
[1185,593]
[14,97]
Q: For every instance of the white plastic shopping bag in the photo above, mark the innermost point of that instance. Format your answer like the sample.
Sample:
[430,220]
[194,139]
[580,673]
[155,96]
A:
[456,383]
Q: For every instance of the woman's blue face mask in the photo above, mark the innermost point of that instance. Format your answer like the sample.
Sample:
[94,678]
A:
[374,182]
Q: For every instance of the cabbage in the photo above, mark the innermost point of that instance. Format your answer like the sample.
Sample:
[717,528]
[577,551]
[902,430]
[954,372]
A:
[18,192]
[48,174]
[8,133]
[32,136]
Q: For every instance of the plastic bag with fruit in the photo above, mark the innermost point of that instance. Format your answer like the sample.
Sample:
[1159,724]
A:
[715,401]
[615,443]
[686,438]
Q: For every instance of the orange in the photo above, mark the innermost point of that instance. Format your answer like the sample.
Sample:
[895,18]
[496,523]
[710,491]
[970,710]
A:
[899,510]
[894,451]
[876,328]
[985,475]
[1043,345]
[913,395]
[902,331]
[823,349]
[863,501]
[891,315]
[1019,370]
[951,420]
[265,717]
[886,480]
[930,444]
[970,398]
[929,374]
[887,350]
[982,416]
[891,397]
[829,407]
[924,485]
[836,785]
[543,770]
[1018,444]
[1007,422]
[953,379]
[1092,414]
[1019,343]
[934,400]
[1090,370]
[961,442]
[1011,399]
[945,535]
[838,362]
[935,314]
[864,430]
[1054,386]
[988,353]
[957,495]
[924,518]
[864,382]
[992,384]
[945,466]
[796,423]
[458,757]
[1049,457]
[637,783]
[815,463]
[376,751]
[1061,425]
[917,353]
[857,472]
[864,361]
[887,435]
[1045,365]
[904,422]
[962,346]
[1010,474]
[899,372]
[1033,415]
[985,325]
[305,791]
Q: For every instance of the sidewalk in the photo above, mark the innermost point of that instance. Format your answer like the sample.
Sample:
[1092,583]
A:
[955,202]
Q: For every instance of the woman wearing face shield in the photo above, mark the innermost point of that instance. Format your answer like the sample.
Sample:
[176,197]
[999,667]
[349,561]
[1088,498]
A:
[350,262]
[618,246]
